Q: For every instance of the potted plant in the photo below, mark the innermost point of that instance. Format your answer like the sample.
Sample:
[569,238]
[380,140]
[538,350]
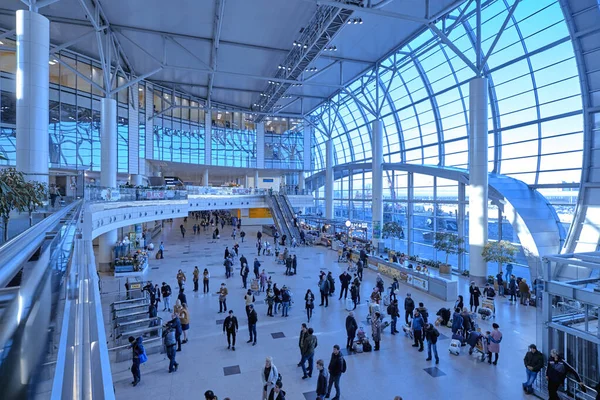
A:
[12,183]
[501,252]
[34,194]
[449,243]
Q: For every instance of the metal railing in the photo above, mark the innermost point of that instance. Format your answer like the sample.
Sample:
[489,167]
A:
[225,191]
[41,255]
[105,194]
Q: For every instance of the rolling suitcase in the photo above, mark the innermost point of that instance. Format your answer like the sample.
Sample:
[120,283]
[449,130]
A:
[349,304]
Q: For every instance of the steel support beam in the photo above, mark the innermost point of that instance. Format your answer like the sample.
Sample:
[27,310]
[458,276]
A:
[218,26]
[497,38]
[134,81]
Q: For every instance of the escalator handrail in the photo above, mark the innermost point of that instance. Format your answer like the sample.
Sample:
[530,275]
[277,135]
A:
[290,210]
[285,221]
[17,251]
[287,211]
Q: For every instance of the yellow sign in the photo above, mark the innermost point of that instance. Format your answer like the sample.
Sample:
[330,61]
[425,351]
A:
[389,271]
[259,213]
[135,285]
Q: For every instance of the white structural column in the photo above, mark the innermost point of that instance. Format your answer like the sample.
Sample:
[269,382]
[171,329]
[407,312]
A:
[205,178]
[260,145]
[207,139]
[256,179]
[108,173]
[134,135]
[478,177]
[301,182]
[329,179]
[246,181]
[308,134]
[377,176]
[33,47]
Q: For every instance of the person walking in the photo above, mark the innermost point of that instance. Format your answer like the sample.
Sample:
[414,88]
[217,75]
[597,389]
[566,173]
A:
[417,327]
[157,291]
[259,246]
[196,278]
[301,337]
[534,362]
[351,328]
[166,294]
[322,380]
[252,320]
[263,277]
[137,352]
[205,280]
[394,313]
[308,352]
[170,341]
[556,373]
[331,283]
[230,328]
[474,295]
[357,283]
[269,376]
[409,307]
[182,228]
[309,303]
[494,339]
[337,366]
[354,294]
[359,269]
[184,317]
[432,334]
[222,298]
[324,290]
[376,329]
[345,280]
[509,270]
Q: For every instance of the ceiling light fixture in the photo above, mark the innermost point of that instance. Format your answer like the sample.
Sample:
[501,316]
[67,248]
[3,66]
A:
[311,69]
[355,21]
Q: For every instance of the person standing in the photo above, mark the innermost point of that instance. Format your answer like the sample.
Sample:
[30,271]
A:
[357,283]
[263,280]
[161,251]
[556,373]
[359,269]
[500,280]
[351,328]
[324,290]
[303,334]
[205,280]
[525,293]
[394,314]
[244,274]
[222,298]
[512,288]
[308,352]
[184,316]
[331,283]
[270,301]
[166,294]
[337,366]
[182,228]
[322,380]
[417,327]
[269,376]
[309,300]
[376,329]
[409,307]
[181,296]
[277,393]
[196,278]
[170,341]
[230,328]
[252,320]
[432,334]
[286,300]
[176,323]
[475,294]
[249,300]
[509,270]
[534,362]
[294,263]
[256,268]
[494,339]
[345,280]
[354,294]
[137,349]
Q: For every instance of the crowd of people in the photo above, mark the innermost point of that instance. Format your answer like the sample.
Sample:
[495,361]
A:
[418,323]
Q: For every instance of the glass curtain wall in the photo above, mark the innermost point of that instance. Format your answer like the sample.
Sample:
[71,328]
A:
[535,109]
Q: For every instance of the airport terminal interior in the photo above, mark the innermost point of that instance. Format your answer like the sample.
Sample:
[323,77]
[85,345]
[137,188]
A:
[300,199]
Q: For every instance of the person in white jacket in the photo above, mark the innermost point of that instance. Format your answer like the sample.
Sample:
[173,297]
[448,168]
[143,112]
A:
[269,376]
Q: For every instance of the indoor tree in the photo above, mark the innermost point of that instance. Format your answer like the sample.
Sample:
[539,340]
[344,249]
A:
[449,243]
[392,230]
[12,185]
[34,193]
[501,252]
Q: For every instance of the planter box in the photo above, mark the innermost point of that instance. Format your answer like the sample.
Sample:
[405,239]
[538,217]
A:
[445,269]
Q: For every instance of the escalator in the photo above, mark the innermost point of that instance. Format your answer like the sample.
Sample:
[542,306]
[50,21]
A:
[287,221]
[278,217]
[288,210]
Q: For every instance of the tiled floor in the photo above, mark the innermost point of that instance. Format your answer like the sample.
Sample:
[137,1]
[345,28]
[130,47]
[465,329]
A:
[398,369]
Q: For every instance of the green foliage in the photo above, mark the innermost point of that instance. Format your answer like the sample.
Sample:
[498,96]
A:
[34,193]
[501,252]
[392,230]
[449,243]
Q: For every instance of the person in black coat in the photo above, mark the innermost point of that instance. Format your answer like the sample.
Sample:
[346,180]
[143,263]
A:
[321,380]
[409,307]
[276,392]
[182,297]
[230,327]
[475,294]
[556,373]
[345,280]
[351,328]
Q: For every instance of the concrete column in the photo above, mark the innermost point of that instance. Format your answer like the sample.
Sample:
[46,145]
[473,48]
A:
[377,175]
[256,181]
[410,186]
[329,179]
[308,134]
[207,140]
[301,182]
[106,255]
[133,150]
[246,181]
[205,178]
[108,142]
[33,47]
[260,145]
[478,177]
[460,221]
[137,180]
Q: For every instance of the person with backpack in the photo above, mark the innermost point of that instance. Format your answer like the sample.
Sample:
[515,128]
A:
[394,313]
[324,290]
[337,366]
[322,380]
[309,344]
[286,300]
[138,357]
[409,307]
[432,334]
[170,341]
[489,292]
[423,311]
[230,328]
[166,294]
[351,328]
